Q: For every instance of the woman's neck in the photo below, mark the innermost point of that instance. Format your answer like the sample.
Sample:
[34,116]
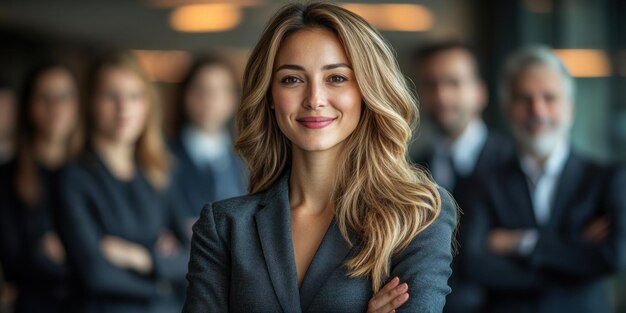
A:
[50,152]
[312,180]
[118,156]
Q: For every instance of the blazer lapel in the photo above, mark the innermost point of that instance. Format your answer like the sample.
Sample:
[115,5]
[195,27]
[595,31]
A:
[567,186]
[329,256]
[516,189]
[274,228]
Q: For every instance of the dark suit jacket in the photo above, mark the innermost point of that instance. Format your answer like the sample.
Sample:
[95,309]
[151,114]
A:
[467,297]
[497,150]
[242,261]
[564,273]
[192,187]
[95,204]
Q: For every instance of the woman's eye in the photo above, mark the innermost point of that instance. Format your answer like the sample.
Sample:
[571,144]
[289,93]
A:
[337,79]
[290,80]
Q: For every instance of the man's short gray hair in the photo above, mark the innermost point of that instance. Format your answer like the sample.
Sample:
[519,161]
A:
[535,55]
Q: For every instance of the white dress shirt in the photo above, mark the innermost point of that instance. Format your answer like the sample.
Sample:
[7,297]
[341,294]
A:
[206,149]
[542,183]
[462,154]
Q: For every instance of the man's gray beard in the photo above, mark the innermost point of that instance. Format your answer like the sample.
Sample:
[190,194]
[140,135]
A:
[541,145]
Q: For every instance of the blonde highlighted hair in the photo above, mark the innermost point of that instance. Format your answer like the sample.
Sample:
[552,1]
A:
[378,194]
[151,152]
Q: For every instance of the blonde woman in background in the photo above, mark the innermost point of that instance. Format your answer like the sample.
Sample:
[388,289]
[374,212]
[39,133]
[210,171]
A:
[124,240]
[335,210]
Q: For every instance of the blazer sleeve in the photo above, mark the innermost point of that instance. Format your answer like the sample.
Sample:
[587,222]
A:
[81,237]
[483,266]
[583,259]
[425,263]
[209,266]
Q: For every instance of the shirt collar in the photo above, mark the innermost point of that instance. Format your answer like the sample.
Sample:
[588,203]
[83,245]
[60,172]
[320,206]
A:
[552,167]
[465,150]
[203,147]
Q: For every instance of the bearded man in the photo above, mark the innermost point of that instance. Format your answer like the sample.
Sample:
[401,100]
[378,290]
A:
[544,231]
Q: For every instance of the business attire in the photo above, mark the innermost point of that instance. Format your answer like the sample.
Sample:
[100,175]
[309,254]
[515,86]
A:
[242,260]
[95,204]
[456,166]
[207,169]
[554,269]
[43,284]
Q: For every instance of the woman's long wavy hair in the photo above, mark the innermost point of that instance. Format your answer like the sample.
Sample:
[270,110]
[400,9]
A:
[378,194]
[151,152]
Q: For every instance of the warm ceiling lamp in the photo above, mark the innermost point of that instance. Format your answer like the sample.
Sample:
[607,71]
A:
[394,17]
[585,62]
[164,66]
[211,17]
[177,3]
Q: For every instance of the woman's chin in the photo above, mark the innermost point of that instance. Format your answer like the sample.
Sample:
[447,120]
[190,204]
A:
[317,146]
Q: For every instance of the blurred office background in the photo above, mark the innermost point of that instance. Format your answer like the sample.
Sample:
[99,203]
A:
[589,35]
[165,35]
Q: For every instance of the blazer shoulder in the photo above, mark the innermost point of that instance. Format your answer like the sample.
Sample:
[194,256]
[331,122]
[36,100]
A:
[449,208]
[235,207]
[75,172]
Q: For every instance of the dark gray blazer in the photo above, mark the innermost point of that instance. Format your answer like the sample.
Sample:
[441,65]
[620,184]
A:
[242,261]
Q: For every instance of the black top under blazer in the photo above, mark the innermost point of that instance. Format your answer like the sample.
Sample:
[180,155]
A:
[242,260]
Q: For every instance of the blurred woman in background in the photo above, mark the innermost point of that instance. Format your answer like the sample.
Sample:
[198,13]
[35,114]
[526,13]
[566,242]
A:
[8,109]
[123,238]
[207,167]
[33,258]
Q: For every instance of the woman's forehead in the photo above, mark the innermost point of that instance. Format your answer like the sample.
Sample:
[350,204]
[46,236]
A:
[311,48]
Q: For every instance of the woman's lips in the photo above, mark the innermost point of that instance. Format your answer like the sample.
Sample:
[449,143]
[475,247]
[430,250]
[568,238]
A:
[315,122]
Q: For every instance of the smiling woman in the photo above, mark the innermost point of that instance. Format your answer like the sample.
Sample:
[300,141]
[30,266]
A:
[335,210]
[316,99]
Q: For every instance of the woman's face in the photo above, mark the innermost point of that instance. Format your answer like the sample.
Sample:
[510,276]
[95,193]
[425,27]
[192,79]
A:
[54,110]
[211,98]
[121,105]
[315,95]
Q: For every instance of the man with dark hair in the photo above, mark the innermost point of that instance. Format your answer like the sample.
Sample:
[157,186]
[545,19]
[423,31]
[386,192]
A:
[452,95]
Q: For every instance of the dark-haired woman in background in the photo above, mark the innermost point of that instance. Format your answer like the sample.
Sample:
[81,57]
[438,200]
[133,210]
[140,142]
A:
[123,238]
[33,258]
[208,168]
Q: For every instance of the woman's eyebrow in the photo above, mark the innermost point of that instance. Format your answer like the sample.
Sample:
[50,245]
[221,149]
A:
[335,65]
[289,67]
[300,68]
